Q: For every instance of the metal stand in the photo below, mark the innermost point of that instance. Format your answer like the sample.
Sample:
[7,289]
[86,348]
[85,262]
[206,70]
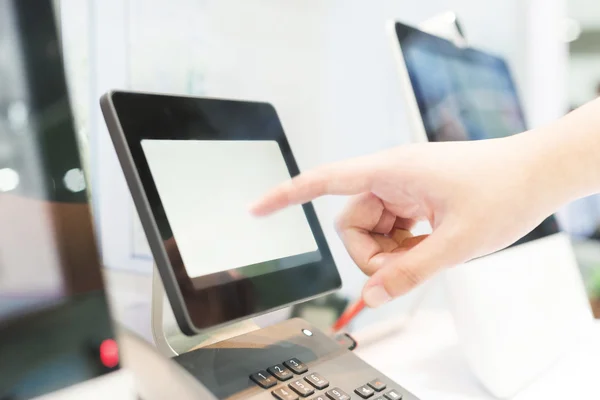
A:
[169,339]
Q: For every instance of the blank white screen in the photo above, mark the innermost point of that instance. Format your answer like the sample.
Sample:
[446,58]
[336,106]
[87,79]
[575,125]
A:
[206,188]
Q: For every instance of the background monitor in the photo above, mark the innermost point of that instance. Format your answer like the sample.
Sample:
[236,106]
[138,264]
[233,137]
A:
[463,94]
[55,328]
[518,310]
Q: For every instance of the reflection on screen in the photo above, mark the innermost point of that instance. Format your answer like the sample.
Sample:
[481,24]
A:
[206,188]
[463,96]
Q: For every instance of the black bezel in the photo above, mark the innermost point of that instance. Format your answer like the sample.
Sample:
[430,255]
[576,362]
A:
[142,116]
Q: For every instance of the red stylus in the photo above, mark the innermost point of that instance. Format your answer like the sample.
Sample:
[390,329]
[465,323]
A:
[348,315]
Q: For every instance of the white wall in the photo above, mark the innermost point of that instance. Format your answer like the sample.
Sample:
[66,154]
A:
[584,69]
[587,12]
[326,65]
[545,76]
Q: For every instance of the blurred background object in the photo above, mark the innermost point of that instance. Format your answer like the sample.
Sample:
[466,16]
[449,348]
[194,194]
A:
[55,328]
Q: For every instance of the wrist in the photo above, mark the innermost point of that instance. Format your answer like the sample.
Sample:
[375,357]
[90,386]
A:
[564,157]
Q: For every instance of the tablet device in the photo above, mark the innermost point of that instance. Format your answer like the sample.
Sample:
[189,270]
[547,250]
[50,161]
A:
[460,93]
[194,166]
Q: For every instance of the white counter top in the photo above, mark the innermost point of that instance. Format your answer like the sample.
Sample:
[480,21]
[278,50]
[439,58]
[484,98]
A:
[425,357]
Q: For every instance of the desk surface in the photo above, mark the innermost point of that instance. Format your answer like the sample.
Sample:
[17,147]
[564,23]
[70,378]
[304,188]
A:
[425,358]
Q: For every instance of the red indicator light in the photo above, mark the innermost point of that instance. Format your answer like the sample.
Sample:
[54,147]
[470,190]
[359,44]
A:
[109,353]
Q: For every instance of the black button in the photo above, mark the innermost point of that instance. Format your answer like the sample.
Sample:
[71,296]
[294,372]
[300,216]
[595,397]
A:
[263,379]
[280,372]
[296,365]
[316,380]
[364,391]
[284,394]
[376,384]
[302,388]
[337,394]
[393,395]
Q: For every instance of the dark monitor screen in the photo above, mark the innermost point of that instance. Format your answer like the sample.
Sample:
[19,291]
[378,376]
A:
[55,328]
[463,94]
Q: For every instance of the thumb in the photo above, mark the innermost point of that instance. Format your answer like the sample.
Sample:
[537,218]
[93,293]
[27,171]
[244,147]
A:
[402,271]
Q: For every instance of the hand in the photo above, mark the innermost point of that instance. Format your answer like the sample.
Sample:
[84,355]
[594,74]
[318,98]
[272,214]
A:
[479,197]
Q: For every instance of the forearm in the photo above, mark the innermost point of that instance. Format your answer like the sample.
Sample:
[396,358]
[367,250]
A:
[566,155]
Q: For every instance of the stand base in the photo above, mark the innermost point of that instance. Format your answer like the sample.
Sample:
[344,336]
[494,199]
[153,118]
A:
[170,340]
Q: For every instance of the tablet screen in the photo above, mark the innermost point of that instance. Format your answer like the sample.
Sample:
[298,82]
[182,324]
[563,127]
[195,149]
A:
[194,167]
[462,93]
[206,187]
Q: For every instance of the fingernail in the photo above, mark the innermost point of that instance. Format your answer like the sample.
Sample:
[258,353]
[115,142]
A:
[376,296]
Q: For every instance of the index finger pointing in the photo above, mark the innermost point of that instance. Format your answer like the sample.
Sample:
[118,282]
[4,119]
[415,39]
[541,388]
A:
[342,178]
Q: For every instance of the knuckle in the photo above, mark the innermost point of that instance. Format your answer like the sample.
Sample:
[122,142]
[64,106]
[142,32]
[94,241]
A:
[412,277]
[404,279]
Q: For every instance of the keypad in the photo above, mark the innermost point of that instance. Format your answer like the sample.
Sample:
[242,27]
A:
[308,384]
[296,365]
[377,385]
[302,388]
[280,372]
[284,393]
[364,391]
[263,379]
[316,380]
[393,395]
[337,394]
